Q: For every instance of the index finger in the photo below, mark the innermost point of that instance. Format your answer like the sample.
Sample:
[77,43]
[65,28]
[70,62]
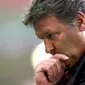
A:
[60,57]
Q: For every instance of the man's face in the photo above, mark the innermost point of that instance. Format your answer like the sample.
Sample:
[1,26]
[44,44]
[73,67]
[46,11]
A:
[58,37]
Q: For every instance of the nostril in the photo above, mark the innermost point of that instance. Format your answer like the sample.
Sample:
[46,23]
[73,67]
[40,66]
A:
[53,52]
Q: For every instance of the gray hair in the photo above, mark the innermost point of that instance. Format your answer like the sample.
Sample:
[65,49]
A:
[64,10]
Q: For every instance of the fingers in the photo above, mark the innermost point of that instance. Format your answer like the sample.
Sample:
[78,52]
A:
[56,64]
[40,76]
[41,79]
[60,57]
[56,68]
[46,68]
[48,71]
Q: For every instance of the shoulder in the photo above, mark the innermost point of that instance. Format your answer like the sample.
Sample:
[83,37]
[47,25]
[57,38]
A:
[81,75]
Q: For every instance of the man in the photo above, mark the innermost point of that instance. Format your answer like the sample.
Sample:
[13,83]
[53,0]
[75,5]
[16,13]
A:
[60,24]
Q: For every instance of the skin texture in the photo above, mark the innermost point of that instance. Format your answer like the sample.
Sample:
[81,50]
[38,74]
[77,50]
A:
[60,40]
[49,72]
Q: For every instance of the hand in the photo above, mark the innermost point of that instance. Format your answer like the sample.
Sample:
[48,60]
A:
[49,72]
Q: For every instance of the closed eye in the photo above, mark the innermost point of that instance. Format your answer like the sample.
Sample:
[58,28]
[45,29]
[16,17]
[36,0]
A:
[53,36]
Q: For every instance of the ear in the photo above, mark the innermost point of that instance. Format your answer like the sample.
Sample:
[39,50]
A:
[81,21]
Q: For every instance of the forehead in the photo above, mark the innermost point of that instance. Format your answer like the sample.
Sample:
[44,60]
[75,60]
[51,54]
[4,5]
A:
[46,21]
[49,24]
[50,21]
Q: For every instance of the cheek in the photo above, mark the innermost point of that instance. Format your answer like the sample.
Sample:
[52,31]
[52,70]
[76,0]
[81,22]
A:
[60,42]
[63,40]
[63,44]
[66,44]
[59,45]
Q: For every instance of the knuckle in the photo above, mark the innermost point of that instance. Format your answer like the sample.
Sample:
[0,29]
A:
[48,67]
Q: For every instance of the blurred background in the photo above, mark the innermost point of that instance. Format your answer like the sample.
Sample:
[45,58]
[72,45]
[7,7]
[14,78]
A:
[17,44]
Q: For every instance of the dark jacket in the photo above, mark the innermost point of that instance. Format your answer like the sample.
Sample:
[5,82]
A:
[77,76]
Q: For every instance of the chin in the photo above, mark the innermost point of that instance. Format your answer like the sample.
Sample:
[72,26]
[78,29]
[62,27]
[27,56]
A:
[70,63]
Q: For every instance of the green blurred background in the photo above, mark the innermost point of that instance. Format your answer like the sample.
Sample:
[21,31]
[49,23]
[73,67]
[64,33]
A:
[16,44]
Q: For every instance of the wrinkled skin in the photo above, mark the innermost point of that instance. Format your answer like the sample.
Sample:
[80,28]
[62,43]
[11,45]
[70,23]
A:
[61,41]
[49,72]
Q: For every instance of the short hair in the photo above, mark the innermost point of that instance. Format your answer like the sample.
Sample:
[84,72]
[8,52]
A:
[64,10]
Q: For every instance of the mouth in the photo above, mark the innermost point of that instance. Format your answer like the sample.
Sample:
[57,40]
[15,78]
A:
[66,63]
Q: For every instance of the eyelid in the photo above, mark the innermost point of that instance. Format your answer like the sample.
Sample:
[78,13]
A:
[55,35]
[50,36]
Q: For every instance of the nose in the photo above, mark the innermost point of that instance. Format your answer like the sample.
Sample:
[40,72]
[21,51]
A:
[49,48]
